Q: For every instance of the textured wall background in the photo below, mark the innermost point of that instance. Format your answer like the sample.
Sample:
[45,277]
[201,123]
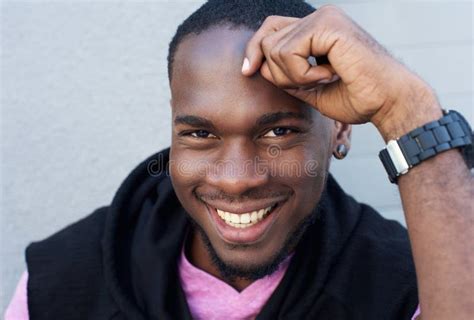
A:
[85,98]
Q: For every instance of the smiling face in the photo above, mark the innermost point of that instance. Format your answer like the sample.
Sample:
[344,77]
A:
[248,161]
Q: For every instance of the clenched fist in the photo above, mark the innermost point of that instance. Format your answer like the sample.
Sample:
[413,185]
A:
[361,83]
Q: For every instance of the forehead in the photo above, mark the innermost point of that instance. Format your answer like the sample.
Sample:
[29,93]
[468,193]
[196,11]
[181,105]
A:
[207,77]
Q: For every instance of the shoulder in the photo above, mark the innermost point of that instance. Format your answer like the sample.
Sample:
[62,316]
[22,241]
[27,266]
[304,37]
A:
[65,272]
[87,230]
[378,246]
[376,267]
[66,251]
[373,228]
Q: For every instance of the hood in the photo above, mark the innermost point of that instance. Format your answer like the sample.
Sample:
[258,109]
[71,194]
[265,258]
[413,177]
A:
[146,227]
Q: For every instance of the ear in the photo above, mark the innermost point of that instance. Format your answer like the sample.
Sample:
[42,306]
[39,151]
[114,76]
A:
[341,136]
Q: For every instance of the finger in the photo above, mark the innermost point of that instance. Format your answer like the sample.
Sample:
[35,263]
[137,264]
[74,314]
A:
[274,74]
[277,78]
[319,84]
[293,58]
[278,73]
[288,51]
[266,73]
[311,97]
[269,46]
[306,95]
[312,76]
[303,74]
[253,52]
[331,100]
[274,50]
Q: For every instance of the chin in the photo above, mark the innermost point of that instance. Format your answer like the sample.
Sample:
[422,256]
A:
[249,263]
[246,261]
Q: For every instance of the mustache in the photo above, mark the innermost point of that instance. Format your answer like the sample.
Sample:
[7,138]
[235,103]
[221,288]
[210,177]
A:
[254,194]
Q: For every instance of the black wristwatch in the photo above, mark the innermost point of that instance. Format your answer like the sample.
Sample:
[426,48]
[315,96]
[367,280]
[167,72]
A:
[451,131]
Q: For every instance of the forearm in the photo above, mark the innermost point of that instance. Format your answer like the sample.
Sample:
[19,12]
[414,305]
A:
[372,86]
[437,201]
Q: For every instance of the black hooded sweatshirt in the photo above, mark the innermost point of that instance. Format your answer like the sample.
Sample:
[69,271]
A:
[121,261]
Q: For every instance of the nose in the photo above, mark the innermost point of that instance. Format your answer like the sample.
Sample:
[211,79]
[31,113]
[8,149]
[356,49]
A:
[237,169]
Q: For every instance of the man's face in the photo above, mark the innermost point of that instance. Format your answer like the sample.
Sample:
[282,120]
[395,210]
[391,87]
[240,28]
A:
[240,145]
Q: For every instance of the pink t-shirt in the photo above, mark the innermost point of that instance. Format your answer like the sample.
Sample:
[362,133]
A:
[18,308]
[201,289]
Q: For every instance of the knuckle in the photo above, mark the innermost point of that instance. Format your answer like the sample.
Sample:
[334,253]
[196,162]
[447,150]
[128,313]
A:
[285,52]
[266,43]
[330,8]
[275,54]
[298,78]
[332,17]
[270,19]
[332,22]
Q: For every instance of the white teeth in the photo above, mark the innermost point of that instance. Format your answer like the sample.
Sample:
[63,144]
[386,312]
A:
[244,220]
[221,213]
[234,218]
[254,216]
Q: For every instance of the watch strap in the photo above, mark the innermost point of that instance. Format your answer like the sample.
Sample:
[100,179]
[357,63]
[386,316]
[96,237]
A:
[451,131]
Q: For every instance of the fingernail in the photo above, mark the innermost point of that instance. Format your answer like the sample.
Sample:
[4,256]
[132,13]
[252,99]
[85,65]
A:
[332,79]
[324,81]
[246,65]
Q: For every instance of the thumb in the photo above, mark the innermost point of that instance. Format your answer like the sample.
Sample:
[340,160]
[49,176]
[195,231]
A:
[254,54]
[324,97]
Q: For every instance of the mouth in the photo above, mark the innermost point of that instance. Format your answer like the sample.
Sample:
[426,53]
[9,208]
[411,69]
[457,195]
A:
[246,227]
[245,220]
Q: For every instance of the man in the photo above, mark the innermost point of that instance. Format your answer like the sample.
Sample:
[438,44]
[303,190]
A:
[240,218]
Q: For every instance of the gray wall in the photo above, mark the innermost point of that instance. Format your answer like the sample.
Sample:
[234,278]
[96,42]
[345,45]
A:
[85,98]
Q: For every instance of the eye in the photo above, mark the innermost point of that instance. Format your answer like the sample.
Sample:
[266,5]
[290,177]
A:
[278,132]
[201,134]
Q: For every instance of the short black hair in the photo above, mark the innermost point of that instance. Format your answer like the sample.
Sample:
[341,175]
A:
[235,13]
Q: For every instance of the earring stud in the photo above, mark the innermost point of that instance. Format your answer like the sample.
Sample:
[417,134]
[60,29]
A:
[341,151]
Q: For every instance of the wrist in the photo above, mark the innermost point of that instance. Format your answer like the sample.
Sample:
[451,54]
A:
[415,106]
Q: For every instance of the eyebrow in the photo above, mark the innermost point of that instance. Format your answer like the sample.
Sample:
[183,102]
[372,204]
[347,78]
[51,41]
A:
[193,121]
[271,118]
[264,120]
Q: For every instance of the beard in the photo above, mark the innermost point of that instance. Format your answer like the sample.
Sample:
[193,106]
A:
[231,272]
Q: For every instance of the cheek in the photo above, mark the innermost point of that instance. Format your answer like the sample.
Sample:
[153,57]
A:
[307,176]
[302,165]
[186,169]
[182,175]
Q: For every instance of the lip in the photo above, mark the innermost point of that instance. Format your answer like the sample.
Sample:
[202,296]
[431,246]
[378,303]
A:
[244,207]
[249,235]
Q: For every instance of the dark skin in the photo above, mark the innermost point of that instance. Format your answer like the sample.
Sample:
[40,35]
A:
[363,83]
[243,117]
